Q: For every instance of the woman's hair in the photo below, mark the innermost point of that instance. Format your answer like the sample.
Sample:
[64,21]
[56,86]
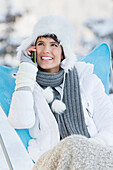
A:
[54,37]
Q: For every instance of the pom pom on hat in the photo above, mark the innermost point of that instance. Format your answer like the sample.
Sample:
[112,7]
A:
[58,106]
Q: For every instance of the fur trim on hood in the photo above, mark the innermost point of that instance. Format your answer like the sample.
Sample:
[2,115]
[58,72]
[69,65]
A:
[59,26]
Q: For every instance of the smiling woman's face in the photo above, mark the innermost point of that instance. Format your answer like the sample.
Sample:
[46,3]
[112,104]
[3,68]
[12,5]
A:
[49,54]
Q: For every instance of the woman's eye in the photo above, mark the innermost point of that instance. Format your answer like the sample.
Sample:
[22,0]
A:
[39,44]
[54,45]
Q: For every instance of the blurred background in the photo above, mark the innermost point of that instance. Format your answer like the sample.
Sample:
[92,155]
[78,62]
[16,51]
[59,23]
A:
[92,20]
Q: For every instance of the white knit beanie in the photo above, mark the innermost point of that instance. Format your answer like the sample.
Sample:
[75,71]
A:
[59,26]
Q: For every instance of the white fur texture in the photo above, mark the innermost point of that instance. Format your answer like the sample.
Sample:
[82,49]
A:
[58,106]
[59,26]
[48,94]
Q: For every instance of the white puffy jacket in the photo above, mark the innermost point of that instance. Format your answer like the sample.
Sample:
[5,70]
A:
[30,110]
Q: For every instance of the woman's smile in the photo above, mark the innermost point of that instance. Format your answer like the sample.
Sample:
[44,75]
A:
[46,58]
[49,54]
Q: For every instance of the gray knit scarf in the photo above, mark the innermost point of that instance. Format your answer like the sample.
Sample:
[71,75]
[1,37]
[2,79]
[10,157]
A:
[72,120]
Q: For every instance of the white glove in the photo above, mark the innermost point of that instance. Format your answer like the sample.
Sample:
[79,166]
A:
[26,76]
[26,58]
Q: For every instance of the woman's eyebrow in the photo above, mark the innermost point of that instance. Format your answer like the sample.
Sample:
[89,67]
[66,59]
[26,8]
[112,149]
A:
[49,42]
[39,41]
[54,42]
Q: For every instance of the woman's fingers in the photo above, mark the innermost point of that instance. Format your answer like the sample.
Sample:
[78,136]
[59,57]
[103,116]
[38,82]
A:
[31,49]
[28,52]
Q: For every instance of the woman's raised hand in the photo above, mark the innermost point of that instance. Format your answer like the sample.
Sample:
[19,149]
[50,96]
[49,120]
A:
[26,55]
[31,49]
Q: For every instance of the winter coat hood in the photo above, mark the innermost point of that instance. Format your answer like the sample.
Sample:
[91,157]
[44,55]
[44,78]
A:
[59,26]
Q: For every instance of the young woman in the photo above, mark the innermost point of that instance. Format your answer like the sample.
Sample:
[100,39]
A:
[57,96]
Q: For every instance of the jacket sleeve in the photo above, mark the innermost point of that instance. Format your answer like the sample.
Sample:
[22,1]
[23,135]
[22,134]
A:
[102,110]
[21,113]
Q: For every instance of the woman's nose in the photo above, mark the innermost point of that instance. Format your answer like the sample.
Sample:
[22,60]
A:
[46,49]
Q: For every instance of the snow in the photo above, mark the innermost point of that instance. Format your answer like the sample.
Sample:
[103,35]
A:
[17,18]
[102,27]
[77,12]
[14,41]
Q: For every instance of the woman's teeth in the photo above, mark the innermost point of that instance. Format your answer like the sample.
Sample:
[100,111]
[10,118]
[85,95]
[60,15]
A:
[46,58]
